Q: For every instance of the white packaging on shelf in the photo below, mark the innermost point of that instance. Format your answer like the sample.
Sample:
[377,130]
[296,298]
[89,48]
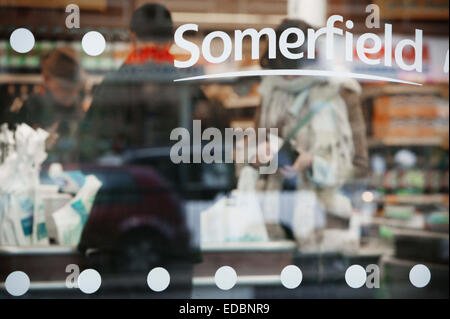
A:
[70,219]
[40,231]
[69,182]
[20,215]
[19,180]
[52,203]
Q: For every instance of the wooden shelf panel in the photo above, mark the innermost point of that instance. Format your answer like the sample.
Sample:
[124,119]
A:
[407,141]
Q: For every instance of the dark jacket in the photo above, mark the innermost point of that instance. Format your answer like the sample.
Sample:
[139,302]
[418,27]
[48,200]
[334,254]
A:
[135,107]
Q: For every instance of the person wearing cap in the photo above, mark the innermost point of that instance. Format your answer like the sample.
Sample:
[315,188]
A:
[58,108]
[138,105]
[135,108]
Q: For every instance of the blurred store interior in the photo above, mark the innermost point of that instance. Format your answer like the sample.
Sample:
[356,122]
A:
[401,203]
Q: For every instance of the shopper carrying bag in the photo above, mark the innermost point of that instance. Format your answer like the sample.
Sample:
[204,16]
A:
[313,121]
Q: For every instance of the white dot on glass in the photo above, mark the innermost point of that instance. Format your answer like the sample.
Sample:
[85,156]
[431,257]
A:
[17,283]
[349,24]
[291,277]
[93,43]
[22,40]
[420,276]
[158,279]
[225,277]
[368,197]
[89,281]
[356,276]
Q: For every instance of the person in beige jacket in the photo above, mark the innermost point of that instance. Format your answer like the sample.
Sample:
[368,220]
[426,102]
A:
[325,143]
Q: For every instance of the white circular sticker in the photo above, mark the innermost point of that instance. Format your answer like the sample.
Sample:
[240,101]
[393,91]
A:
[158,279]
[420,276]
[93,43]
[291,277]
[225,277]
[89,281]
[17,283]
[356,276]
[22,40]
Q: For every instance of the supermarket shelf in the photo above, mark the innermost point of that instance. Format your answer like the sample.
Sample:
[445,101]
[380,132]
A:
[99,5]
[416,223]
[370,250]
[371,91]
[20,79]
[277,246]
[416,199]
[7,78]
[408,263]
[420,234]
[37,251]
[42,285]
[407,141]
[264,280]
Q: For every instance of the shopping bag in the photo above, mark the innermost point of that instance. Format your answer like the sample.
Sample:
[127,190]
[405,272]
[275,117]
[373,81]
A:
[243,218]
[237,218]
[305,215]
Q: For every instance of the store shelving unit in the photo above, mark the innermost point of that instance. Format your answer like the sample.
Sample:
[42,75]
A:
[431,141]
[35,79]
[416,199]
[413,233]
